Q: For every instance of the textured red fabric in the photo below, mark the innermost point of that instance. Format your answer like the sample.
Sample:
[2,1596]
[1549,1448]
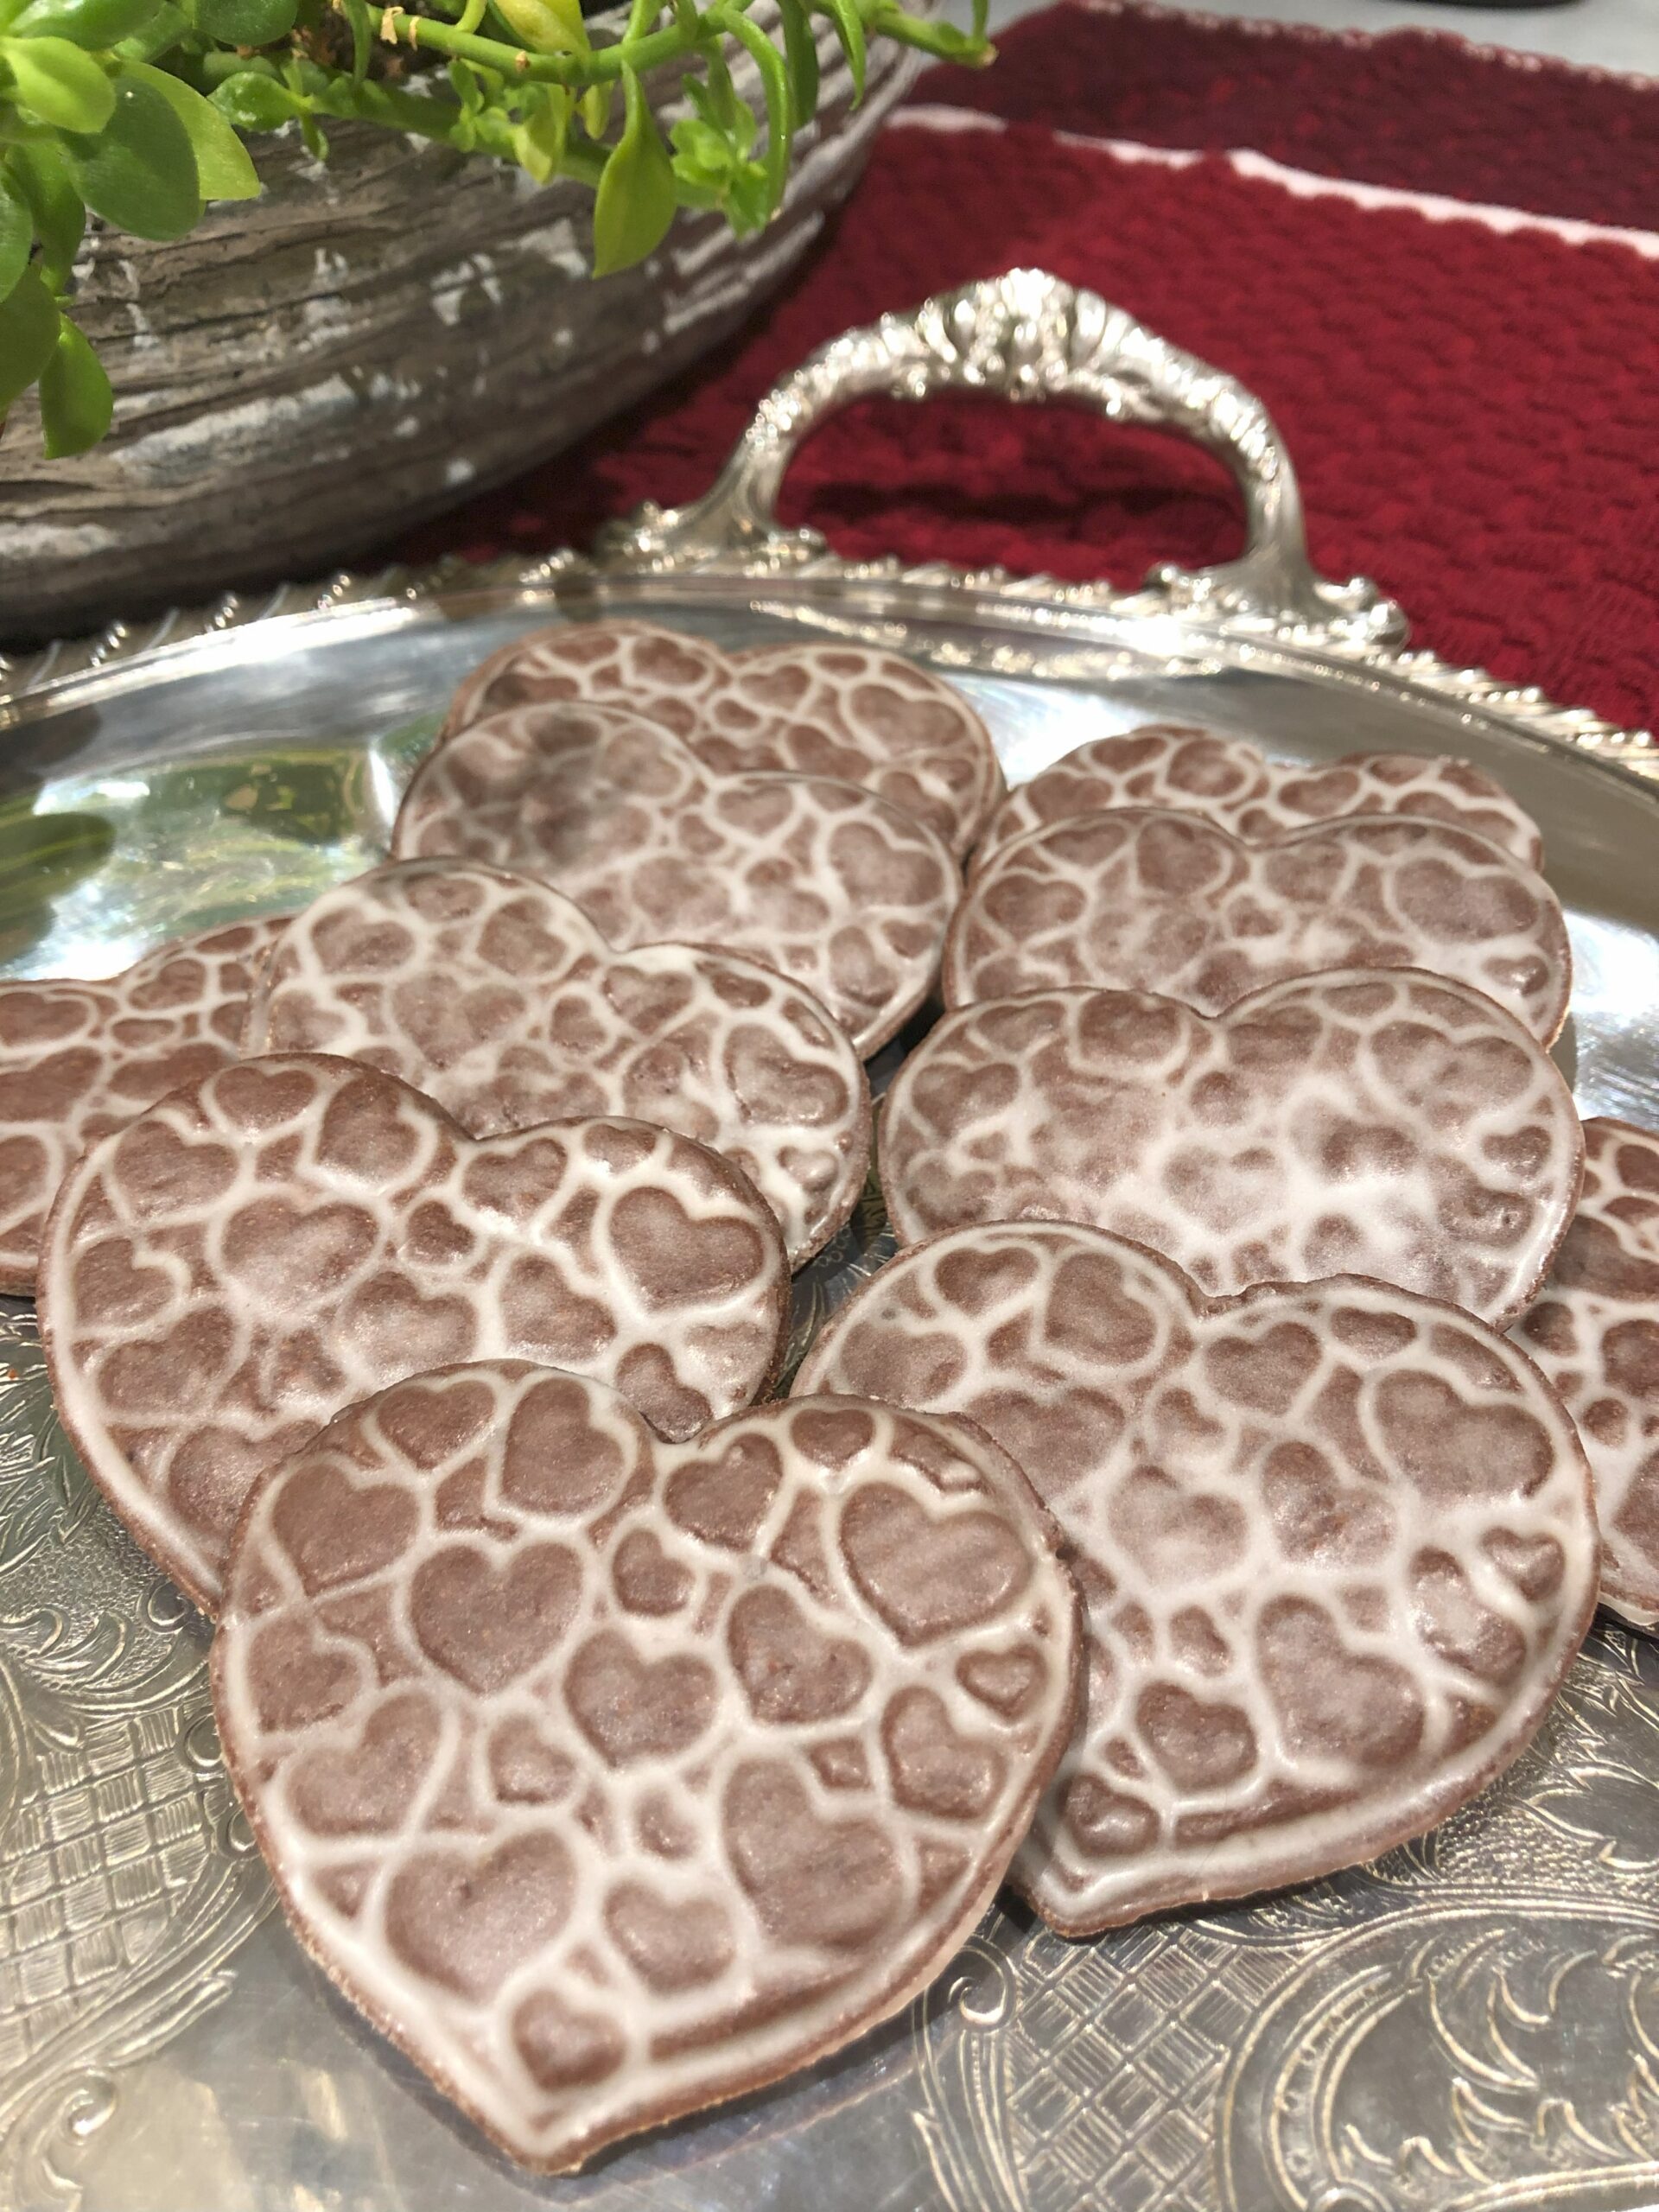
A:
[1413,108]
[1473,414]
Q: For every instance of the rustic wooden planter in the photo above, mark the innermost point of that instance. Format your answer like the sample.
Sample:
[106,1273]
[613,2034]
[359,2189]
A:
[370,341]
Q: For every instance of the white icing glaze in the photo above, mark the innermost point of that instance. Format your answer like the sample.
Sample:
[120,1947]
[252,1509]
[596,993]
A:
[1229,781]
[497,996]
[1594,1331]
[1365,1122]
[78,1060]
[672,1751]
[1336,1545]
[259,1249]
[1139,899]
[837,710]
[820,880]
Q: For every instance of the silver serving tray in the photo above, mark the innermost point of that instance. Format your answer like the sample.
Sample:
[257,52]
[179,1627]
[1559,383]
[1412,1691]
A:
[1473,2022]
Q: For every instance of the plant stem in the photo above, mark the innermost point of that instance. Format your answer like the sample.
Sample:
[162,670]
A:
[605,65]
[887,20]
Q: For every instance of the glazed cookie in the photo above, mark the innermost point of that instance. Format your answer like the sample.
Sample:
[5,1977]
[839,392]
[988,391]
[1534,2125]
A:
[840,710]
[1595,1332]
[1139,899]
[1228,781]
[1366,1122]
[612,1778]
[1336,1545]
[260,1248]
[79,1059]
[497,996]
[822,881]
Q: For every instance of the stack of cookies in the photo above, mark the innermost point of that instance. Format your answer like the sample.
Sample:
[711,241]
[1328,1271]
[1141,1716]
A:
[1203,1498]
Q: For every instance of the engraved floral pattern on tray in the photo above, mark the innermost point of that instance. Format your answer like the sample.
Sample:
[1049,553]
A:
[127,1876]
[1473,2022]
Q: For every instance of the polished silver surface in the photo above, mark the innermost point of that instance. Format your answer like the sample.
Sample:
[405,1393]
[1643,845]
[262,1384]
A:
[1472,2022]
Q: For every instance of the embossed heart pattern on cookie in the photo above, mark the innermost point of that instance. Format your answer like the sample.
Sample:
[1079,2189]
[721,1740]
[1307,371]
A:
[264,1247]
[497,997]
[1232,783]
[819,878]
[1594,1331]
[840,710]
[612,1778]
[1365,1121]
[78,1060]
[1336,1544]
[1137,899]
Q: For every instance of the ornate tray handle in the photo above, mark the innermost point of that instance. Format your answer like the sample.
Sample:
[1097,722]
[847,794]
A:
[1030,338]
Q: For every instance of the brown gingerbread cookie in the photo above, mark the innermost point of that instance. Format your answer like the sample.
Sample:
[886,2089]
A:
[1594,1330]
[1138,898]
[822,880]
[1229,781]
[497,996]
[833,709]
[261,1248]
[1367,1122]
[78,1060]
[1336,1545]
[612,1778]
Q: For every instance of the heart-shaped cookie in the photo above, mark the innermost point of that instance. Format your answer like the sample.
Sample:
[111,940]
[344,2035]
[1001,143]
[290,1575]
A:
[1336,1545]
[1594,1331]
[1139,899]
[839,709]
[613,1853]
[1228,780]
[79,1059]
[822,881]
[261,1247]
[1367,1122]
[497,996]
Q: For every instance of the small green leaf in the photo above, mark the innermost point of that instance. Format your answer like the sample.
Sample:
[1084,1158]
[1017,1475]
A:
[255,102]
[801,57]
[29,331]
[849,29]
[775,79]
[17,231]
[746,198]
[140,172]
[594,110]
[247,23]
[635,202]
[223,169]
[91,23]
[59,210]
[76,402]
[539,141]
[700,150]
[59,83]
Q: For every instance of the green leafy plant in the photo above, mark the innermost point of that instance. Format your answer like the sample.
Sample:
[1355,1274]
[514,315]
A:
[135,111]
